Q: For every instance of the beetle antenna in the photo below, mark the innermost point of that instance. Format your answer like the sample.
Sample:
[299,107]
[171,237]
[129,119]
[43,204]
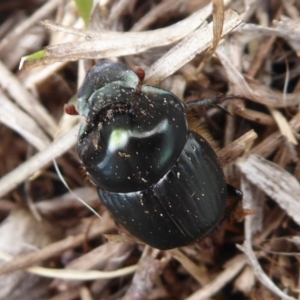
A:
[68,188]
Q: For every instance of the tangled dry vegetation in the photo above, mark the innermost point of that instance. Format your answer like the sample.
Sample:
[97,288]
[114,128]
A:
[52,246]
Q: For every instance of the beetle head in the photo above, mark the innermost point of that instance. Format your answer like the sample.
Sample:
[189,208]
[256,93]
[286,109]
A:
[101,75]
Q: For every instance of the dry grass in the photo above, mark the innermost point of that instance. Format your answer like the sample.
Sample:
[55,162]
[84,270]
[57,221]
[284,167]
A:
[52,246]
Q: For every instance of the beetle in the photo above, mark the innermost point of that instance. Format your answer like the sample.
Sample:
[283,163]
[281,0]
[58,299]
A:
[159,180]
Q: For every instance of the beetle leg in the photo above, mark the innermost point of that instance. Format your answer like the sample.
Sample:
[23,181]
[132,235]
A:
[207,102]
[234,196]
[213,101]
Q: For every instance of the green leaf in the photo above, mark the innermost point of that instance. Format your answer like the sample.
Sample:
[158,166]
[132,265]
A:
[84,8]
[34,56]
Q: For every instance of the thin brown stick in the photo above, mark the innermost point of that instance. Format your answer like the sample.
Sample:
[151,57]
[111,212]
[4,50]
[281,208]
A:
[32,258]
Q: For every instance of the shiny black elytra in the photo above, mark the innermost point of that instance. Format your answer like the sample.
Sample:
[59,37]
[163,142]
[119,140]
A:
[159,180]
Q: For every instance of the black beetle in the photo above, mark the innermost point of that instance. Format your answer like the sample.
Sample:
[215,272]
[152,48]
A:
[159,180]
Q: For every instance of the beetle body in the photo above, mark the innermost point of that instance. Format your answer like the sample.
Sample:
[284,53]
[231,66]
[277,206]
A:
[159,180]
